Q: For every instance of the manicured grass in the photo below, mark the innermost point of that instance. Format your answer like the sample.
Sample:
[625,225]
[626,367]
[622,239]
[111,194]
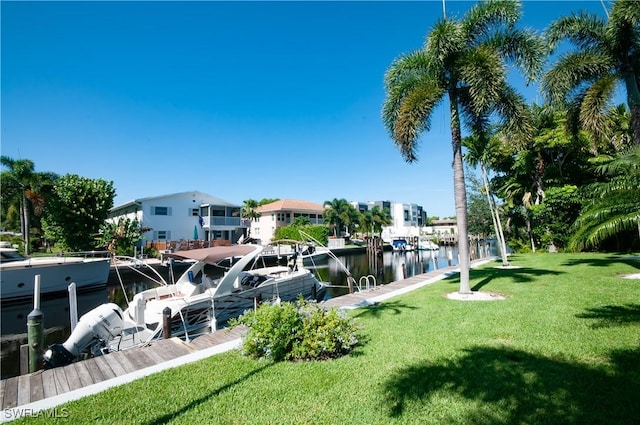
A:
[563,348]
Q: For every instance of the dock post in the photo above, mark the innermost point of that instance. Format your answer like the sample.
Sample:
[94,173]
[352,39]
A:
[404,271]
[73,305]
[35,330]
[166,323]
[449,256]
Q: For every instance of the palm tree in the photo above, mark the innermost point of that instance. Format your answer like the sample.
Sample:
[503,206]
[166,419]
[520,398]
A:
[607,54]
[465,61]
[615,204]
[339,213]
[380,218]
[248,209]
[22,183]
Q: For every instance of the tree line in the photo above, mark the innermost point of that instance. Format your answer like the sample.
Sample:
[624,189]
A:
[566,170]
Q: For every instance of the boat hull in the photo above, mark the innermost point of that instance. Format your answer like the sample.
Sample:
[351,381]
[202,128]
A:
[17,281]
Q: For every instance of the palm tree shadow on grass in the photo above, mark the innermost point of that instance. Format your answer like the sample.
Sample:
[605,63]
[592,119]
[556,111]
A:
[505,386]
[519,275]
[171,416]
[612,315]
[378,310]
[604,262]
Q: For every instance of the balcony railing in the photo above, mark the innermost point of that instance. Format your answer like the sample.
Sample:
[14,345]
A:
[221,221]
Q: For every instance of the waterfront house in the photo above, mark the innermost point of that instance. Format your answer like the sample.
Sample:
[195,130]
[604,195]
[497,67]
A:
[408,220]
[184,216]
[283,213]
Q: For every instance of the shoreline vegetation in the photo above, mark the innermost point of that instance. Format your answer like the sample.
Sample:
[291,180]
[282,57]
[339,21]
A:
[561,348]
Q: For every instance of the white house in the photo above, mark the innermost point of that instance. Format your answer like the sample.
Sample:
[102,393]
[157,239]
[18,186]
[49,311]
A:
[408,219]
[184,216]
[283,213]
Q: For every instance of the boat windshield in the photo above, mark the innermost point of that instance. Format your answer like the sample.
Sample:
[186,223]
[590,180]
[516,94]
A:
[9,255]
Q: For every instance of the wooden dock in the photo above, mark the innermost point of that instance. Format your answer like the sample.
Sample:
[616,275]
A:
[116,368]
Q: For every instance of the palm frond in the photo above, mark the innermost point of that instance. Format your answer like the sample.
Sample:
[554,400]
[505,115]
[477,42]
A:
[490,14]
[573,71]
[596,100]
[414,117]
[444,42]
[482,71]
[585,30]
[523,48]
[514,114]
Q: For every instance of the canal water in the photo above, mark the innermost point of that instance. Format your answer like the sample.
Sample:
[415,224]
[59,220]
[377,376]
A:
[389,267]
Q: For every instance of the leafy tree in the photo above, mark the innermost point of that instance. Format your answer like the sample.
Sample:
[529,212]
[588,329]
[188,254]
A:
[120,237]
[614,205]
[464,61]
[554,217]
[24,189]
[292,232]
[77,209]
[301,221]
[265,201]
[607,53]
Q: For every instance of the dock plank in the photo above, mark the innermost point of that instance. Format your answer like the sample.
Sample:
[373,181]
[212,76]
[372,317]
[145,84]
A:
[139,359]
[49,383]
[24,390]
[121,358]
[154,354]
[94,370]
[10,398]
[105,368]
[2,386]
[37,389]
[60,378]
[115,366]
[84,378]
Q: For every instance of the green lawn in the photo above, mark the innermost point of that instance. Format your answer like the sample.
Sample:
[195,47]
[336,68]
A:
[563,348]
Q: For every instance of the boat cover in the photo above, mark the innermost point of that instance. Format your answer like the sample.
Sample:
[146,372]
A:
[216,254]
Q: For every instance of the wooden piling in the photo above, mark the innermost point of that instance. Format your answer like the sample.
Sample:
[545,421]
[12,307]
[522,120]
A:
[166,323]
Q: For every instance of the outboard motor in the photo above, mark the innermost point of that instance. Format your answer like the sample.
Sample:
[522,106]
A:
[98,325]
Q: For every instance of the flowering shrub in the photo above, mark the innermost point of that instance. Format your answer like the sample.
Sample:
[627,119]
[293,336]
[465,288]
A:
[297,331]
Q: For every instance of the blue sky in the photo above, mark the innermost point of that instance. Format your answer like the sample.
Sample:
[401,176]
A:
[236,99]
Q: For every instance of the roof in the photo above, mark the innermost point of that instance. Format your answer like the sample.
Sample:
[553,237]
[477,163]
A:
[196,194]
[291,205]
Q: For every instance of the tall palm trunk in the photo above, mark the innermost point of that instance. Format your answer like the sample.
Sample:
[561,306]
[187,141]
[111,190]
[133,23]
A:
[25,223]
[460,192]
[632,84]
[495,216]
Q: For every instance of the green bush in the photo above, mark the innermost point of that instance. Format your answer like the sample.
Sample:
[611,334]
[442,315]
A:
[297,331]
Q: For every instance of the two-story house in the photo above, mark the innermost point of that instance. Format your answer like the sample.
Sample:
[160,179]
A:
[184,216]
[283,213]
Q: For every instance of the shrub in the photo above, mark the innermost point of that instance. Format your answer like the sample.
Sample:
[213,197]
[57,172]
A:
[297,331]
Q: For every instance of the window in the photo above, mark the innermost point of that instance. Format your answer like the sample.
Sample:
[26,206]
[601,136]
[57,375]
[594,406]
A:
[160,211]
[162,235]
[218,212]
[195,212]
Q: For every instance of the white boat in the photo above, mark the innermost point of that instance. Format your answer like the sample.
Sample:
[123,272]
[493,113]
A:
[401,245]
[425,244]
[17,273]
[198,304]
